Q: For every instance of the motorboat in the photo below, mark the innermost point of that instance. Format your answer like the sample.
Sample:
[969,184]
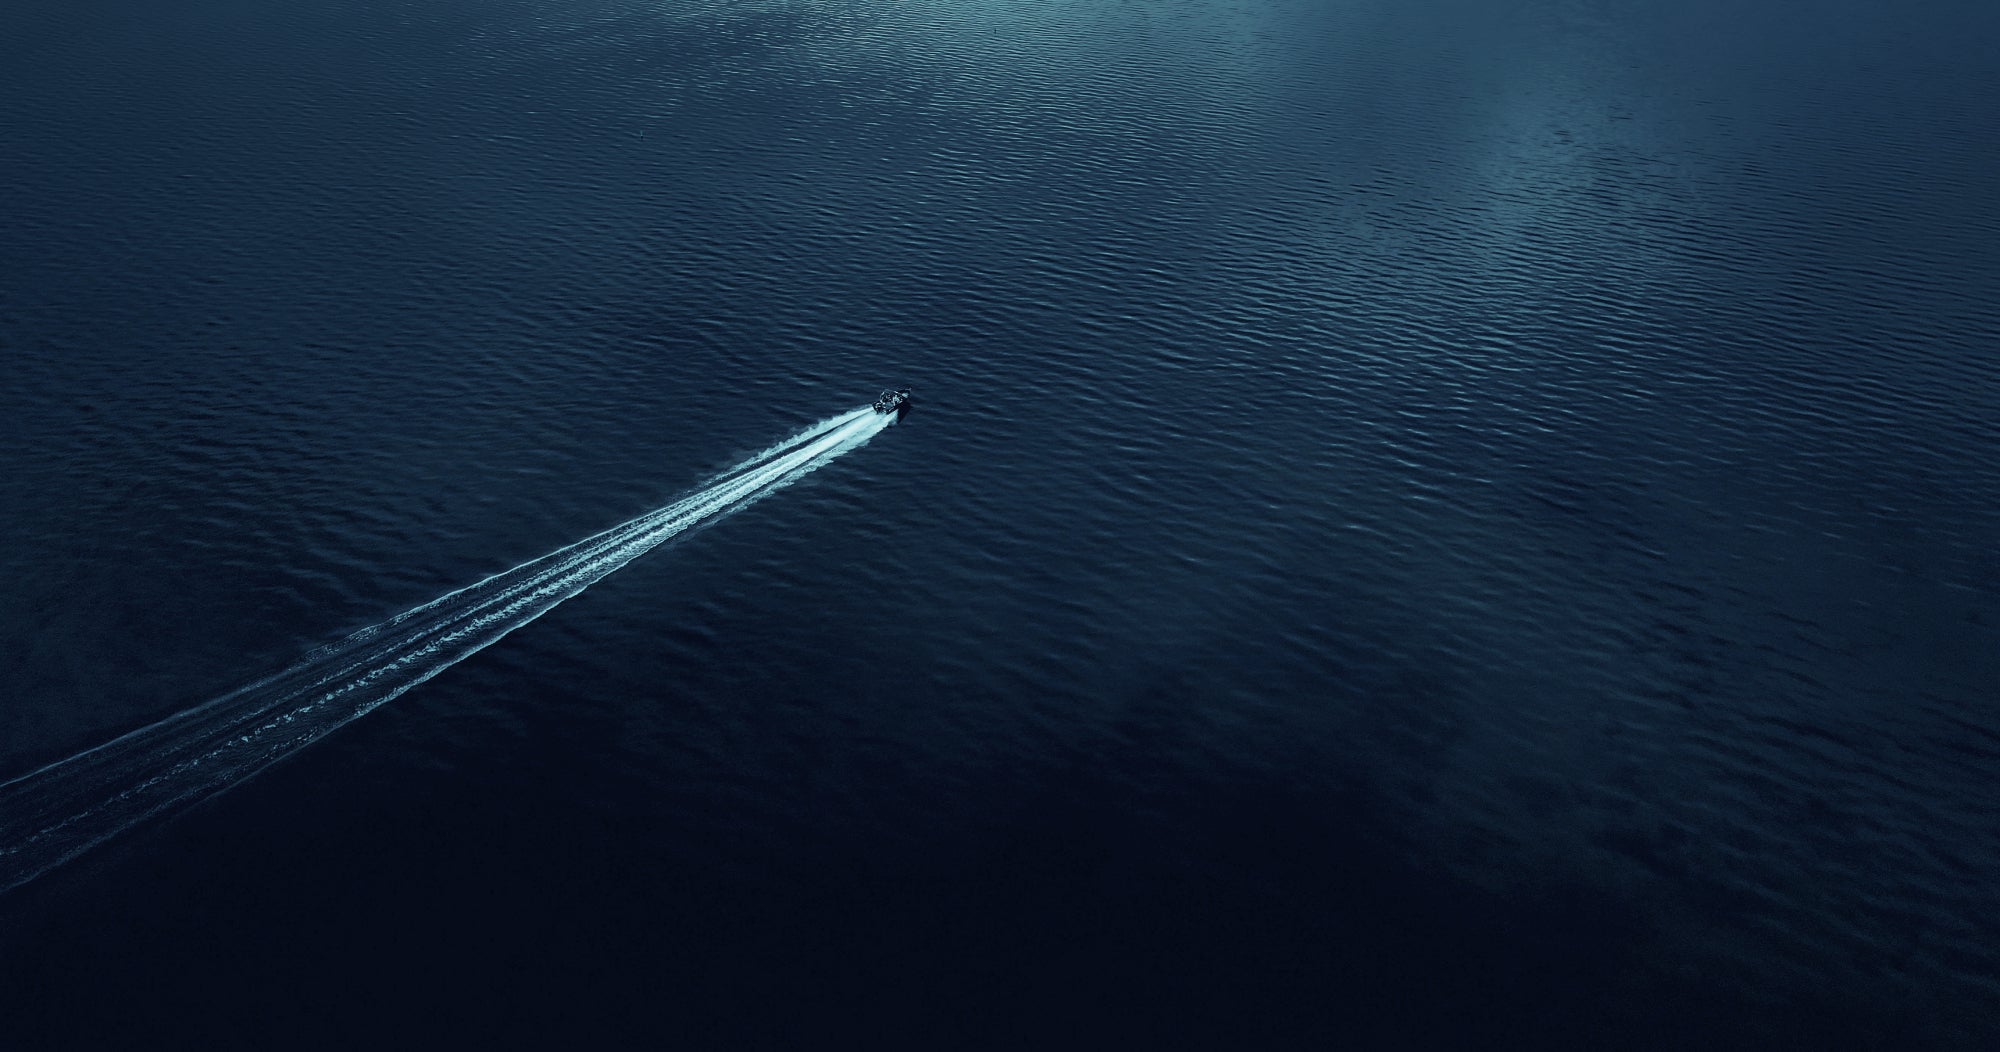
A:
[893,401]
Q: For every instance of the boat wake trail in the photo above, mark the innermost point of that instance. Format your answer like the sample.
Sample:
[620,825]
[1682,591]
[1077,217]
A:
[53,814]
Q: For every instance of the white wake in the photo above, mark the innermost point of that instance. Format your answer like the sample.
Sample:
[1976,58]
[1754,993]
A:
[53,814]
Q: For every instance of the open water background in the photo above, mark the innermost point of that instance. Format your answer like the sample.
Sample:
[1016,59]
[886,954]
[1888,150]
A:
[1425,523]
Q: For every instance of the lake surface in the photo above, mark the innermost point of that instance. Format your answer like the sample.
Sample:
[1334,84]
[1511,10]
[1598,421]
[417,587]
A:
[1425,523]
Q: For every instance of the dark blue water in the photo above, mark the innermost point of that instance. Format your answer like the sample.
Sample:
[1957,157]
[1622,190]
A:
[1440,523]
